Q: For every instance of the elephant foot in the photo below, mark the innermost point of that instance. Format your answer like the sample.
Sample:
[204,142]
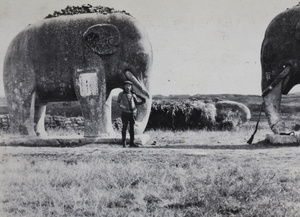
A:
[297,133]
[280,128]
[40,130]
[42,134]
[138,128]
[112,134]
[25,130]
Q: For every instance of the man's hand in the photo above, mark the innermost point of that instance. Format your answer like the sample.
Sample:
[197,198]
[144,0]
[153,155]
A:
[123,107]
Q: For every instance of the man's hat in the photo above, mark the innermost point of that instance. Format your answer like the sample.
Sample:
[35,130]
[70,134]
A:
[128,82]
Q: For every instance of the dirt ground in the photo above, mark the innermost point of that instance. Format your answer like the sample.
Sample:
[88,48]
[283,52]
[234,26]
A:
[235,148]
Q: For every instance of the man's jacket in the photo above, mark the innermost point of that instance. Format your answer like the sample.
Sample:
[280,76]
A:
[128,101]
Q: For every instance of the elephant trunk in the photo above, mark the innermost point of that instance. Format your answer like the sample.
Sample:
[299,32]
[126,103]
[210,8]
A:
[138,86]
[272,109]
[143,110]
[272,100]
[143,116]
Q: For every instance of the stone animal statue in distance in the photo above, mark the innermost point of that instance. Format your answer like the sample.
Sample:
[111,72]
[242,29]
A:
[76,57]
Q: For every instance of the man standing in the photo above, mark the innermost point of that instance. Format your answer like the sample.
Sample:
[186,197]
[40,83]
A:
[127,101]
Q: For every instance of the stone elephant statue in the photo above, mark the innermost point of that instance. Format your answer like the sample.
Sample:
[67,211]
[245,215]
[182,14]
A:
[238,112]
[80,57]
[280,62]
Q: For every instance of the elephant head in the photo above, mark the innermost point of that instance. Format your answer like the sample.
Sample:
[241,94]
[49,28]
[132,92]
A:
[280,61]
[126,54]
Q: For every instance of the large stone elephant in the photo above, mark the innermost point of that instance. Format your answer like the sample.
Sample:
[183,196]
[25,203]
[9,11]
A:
[80,57]
[280,61]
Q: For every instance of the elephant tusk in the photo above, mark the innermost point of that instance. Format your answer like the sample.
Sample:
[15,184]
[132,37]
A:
[141,89]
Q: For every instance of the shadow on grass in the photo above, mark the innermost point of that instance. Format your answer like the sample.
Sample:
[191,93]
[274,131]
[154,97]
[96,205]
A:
[264,144]
[59,143]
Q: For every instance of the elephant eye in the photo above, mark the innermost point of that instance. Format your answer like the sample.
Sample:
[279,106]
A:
[91,39]
[140,60]
[143,57]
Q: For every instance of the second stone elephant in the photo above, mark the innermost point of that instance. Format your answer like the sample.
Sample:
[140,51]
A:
[80,57]
[280,62]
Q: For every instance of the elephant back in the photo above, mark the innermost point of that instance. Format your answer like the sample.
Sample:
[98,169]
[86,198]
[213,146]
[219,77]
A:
[284,23]
[55,48]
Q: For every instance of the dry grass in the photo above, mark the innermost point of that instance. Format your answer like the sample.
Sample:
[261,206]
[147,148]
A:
[203,138]
[112,181]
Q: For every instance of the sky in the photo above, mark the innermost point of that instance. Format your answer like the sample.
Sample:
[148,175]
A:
[199,46]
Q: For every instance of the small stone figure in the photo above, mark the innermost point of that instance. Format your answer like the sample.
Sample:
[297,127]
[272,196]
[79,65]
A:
[127,101]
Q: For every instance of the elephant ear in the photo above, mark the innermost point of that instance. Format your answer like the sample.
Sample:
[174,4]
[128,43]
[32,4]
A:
[297,31]
[103,39]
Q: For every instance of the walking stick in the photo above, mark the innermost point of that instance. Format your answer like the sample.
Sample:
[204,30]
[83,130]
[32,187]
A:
[252,137]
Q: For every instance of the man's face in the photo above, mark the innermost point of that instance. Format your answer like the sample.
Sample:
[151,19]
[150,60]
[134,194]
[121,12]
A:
[127,88]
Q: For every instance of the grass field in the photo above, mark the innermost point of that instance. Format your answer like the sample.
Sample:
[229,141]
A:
[290,105]
[186,173]
[190,173]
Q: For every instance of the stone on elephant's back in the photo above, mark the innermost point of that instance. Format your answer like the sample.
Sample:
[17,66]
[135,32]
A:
[84,9]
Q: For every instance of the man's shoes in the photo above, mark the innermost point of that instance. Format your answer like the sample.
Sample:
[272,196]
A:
[133,145]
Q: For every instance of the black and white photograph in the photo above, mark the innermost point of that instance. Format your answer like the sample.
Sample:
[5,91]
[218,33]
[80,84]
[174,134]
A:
[138,108]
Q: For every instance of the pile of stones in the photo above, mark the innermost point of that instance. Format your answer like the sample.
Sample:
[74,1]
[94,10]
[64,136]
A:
[76,123]
[86,8]
[59,122]
[4,122]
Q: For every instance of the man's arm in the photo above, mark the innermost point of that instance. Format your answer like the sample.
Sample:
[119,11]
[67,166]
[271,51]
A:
[119,101]
[119,98]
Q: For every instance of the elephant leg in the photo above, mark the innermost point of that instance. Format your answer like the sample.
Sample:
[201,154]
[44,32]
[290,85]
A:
[107,115]
[21,114]
[272,109]
[39,120]
[90,89]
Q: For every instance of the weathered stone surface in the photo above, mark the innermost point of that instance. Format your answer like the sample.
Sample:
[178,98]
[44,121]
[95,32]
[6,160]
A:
[142,139]
[4,122]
